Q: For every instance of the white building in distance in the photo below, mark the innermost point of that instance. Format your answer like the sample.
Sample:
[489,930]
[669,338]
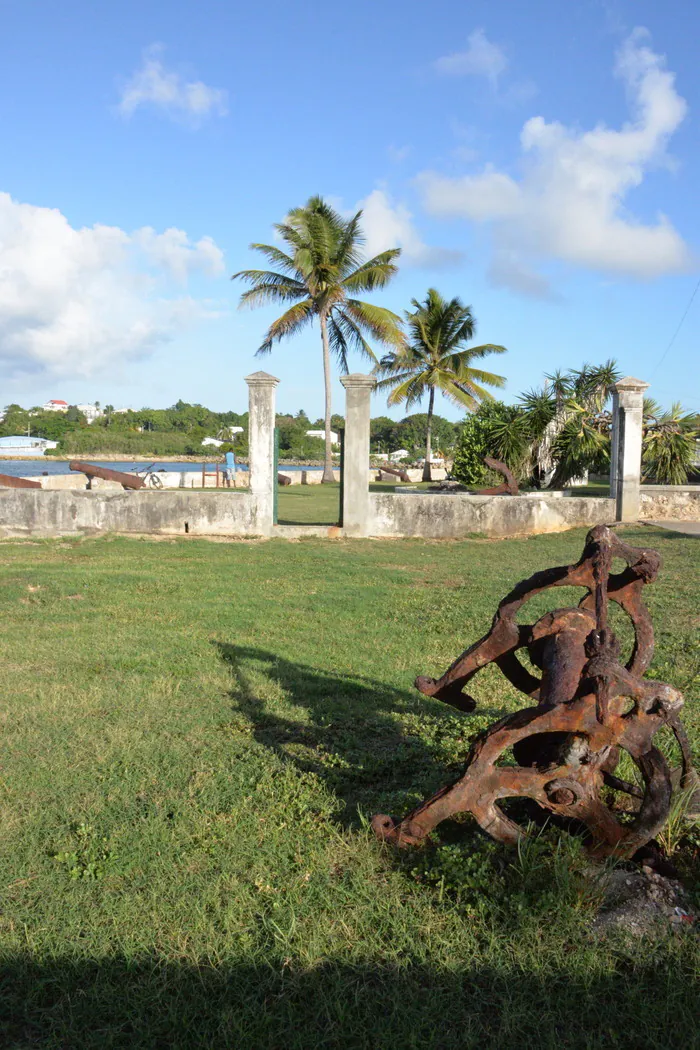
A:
[21,445]
[321,434]
[90,412]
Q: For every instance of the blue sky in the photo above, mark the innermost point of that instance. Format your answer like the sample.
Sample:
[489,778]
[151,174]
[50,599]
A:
[538,159]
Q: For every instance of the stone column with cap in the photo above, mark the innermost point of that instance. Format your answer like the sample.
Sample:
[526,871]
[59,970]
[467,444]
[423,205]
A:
[261,452]
[628,447]
[614,439]
[356,502]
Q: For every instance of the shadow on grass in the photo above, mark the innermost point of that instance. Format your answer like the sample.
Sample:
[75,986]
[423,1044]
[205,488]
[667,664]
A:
[147,1002]
[351,732]
[674,534]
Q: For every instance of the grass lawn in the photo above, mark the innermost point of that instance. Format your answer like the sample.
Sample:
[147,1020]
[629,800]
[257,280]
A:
[194,735]
[318,504]
[308,504]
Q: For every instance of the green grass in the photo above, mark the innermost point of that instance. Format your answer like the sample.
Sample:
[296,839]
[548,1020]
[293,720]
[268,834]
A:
[318,504]
[594,489]
[194,735]
[308,504]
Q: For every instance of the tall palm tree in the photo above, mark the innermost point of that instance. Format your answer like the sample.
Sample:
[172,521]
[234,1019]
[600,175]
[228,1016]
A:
[436,358]
[320,273]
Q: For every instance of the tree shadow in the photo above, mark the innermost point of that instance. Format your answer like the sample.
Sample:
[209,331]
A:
[148,1003]
[351,732]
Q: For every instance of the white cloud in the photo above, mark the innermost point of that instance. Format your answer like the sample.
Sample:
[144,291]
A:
[76,301]
[481,59]
[175,253]
[153,85]
[389,225]
[569,203]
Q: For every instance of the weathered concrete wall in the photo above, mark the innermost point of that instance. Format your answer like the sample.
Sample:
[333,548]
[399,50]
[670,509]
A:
[672,502]
[56,513]
[356,509]
[172,479]
[452,516]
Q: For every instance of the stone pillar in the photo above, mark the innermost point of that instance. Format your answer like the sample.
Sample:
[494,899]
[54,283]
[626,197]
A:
[614,443]
[261,437]
[356,505]
[628,459]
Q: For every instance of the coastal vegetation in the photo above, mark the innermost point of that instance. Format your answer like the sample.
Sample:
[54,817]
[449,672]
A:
[195,735]
[179,431]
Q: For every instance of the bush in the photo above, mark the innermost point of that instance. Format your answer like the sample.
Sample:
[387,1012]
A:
[468,466]
[128,443]
[496,430]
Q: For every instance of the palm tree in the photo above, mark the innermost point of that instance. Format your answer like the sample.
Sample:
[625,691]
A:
[320,273]
[436,358]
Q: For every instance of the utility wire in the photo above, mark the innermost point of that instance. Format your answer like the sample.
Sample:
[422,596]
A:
[680,325]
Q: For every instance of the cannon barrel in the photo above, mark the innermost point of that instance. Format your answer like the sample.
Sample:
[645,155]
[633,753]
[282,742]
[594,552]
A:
[8,482]
[128,481]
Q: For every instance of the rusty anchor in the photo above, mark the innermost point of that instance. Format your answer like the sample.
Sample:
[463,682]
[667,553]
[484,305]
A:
[588,710]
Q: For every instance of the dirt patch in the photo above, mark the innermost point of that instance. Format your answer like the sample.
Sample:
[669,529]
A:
[642,903]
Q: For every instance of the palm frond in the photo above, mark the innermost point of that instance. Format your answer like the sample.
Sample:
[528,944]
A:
[490,378]
[277,257]
[373,274]
[392,380]
[268,286]
[383,324]
[288,324]
[411,391]
[487,348]
[338,344]
[352,334]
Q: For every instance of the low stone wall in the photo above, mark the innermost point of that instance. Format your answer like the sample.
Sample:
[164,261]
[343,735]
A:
[31,512]
[171,479]
[456,515]
[192,479]
[673,503]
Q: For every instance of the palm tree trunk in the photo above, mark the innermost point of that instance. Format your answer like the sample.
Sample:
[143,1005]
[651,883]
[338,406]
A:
[427,476]
[328,475]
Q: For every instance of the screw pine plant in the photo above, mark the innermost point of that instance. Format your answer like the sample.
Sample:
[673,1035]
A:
[669,443]
[320,274]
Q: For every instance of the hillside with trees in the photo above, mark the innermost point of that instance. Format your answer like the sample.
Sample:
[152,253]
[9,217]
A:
[180,430]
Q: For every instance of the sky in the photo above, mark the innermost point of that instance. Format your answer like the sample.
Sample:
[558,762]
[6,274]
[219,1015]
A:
[539,160]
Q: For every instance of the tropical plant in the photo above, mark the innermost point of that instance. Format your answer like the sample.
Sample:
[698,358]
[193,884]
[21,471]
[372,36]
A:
[568,422]
[320,274]
[669,443]
[436,358]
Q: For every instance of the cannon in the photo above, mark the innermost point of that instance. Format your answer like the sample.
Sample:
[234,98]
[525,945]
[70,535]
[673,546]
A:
[7,481]
[127,481]
[398,472]
[508,487]
[563,753]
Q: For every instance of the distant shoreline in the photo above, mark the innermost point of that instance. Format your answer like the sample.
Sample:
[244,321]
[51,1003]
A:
[121,457]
